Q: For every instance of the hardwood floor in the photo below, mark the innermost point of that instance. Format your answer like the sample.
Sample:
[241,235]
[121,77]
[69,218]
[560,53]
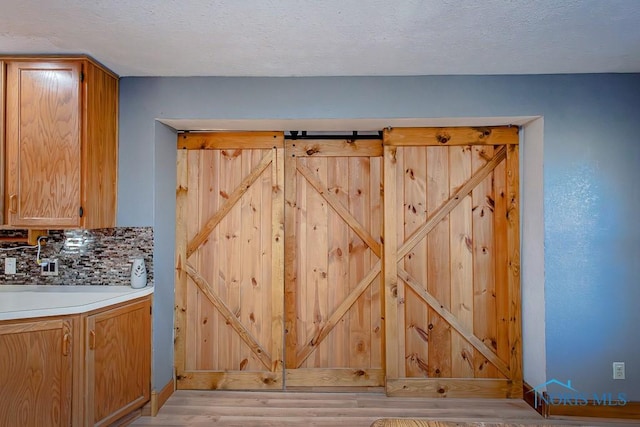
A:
[228,408]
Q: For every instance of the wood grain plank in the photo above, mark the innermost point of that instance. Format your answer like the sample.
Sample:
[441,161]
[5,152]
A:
[232,197]
[301,254]
[250,284]
[513,250]
[415,262]
[208,257]
[224,333]
[451,136]
[229,140]
[194,197]
[450,387]
[390,268]
[344,377]
[239,167]
[335,148]
[359,341]
[219,241]
[438,273]
[291,212]
[484,291]
[271,259]
[401,288]
[237,164]
[317,262]
[339,257]
[277,259]
[501,262]
[205,380]
[182,183]
[377,325]
[461,263]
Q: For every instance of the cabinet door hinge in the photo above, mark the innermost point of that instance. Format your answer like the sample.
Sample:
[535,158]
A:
[81,76]
[80,211]
[150,310]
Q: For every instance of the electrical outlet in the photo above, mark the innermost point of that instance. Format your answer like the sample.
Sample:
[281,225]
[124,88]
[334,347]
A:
[618,370]
[49,267]
[9,266]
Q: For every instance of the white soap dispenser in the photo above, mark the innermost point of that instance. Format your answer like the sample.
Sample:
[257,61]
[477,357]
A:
[138,274]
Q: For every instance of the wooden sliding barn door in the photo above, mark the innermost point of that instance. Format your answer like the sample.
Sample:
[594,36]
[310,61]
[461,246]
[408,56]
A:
[452,288]
[283,279]
[229,261]
[333,223]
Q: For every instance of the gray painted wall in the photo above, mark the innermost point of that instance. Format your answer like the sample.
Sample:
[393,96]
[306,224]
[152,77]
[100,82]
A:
[591,165]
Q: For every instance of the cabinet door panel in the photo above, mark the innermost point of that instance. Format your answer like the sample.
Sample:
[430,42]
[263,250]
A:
[118,362]
[100,148]
[43,143]
[35,374]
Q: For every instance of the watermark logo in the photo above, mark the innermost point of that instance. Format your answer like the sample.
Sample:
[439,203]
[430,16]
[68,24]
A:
[571,397]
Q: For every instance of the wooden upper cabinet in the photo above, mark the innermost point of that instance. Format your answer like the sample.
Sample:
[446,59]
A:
[61,144]
[43,143]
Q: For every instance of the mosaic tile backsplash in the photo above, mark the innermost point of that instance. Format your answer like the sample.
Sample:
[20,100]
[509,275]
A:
[85,257]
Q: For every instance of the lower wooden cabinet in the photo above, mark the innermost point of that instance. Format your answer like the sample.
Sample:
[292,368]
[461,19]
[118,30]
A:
[118,362]
[79,370]
[36,372]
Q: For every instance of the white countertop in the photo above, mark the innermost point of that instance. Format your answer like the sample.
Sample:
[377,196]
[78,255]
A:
[25,301]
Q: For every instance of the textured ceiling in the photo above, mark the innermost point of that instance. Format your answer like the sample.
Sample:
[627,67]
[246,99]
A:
[331,37]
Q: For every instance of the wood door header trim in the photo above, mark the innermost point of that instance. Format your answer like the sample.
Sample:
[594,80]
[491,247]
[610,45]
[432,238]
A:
[397,136]
[445,136]
[334,147]
[230,140]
